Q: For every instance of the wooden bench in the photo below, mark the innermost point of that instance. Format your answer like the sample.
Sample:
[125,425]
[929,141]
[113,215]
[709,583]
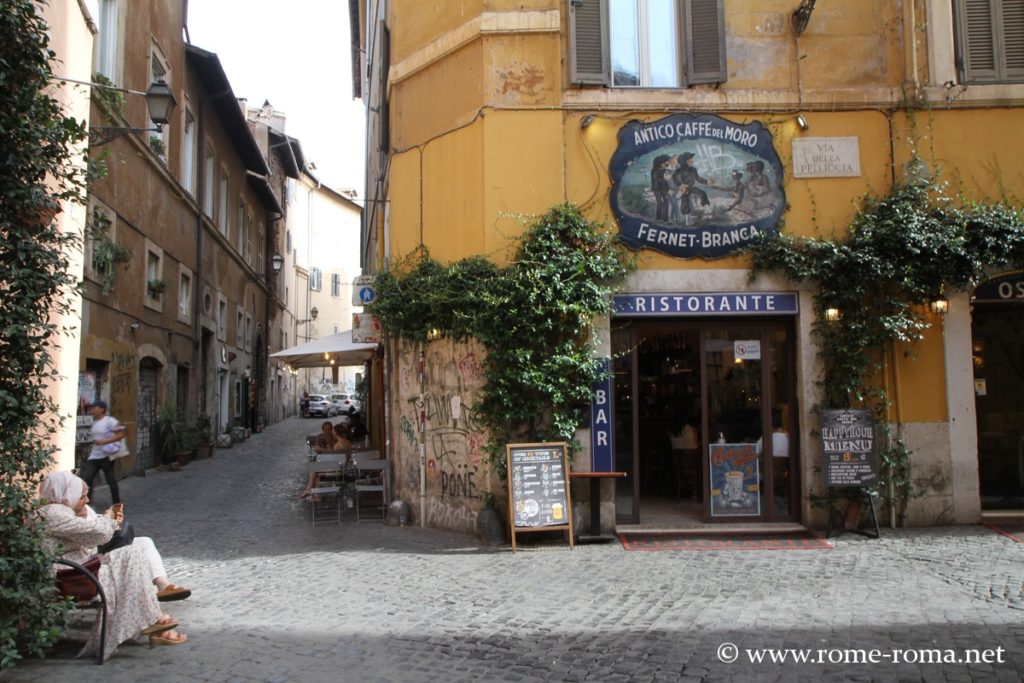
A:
[91,596]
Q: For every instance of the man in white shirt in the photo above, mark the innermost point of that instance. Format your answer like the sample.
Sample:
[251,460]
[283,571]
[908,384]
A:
[105,430]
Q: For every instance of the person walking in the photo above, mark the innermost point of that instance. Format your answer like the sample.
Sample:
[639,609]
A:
[105,430]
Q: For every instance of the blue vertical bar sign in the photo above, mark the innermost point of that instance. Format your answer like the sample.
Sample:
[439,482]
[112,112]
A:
[601,420]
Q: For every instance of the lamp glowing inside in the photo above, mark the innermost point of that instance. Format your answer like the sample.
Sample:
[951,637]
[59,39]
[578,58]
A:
[832,314]
[940,306]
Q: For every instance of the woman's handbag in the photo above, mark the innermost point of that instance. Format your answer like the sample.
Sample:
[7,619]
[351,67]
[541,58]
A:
[122,537]
[72,583]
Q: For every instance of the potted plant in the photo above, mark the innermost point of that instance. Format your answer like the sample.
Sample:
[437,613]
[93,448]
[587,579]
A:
[171,436]
[157,145]
[201,435]
[156,287]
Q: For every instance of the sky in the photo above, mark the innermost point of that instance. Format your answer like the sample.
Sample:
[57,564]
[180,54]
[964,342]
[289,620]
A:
[295,54]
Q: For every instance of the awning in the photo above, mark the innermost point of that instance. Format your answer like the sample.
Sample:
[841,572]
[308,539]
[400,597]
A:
[339,347]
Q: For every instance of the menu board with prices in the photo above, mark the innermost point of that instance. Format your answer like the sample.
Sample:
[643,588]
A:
[539,496]
[848,447]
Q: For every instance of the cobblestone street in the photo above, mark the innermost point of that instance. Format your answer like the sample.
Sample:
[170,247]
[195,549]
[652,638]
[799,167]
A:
[275,599]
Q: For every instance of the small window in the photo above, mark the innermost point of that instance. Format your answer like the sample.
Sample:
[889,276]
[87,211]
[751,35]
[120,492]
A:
[222,317]
[189,152]
[247,255]
[184,295]
[335,284]
[239,327]
[240,239]
[314,279]
[248,332]
[209,182]
[990,41]
[154,286]
[647,43]
[108,39]
[160,71]
[222,205]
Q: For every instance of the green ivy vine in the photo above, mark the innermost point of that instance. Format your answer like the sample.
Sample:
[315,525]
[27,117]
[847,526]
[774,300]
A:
[534,317]
[37,173]
[901,251]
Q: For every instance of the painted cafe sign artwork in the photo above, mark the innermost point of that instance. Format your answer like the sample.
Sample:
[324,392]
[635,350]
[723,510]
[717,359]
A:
[695,186]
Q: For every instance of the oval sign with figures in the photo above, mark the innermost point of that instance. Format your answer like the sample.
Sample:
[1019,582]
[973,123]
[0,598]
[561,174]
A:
[695,186]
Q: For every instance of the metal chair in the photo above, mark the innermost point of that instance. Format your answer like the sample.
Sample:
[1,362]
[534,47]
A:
[368,464]
[328,490]
[98,599]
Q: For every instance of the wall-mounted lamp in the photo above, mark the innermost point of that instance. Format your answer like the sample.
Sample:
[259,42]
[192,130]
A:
[802,16]
[433,333]
[586,121]
[312,316]
[135,326]
[832,314]
[802,122]
[940,306]
[276,261]
[160,102]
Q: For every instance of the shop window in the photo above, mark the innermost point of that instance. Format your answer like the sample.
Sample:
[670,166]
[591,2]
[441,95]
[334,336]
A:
[990,41]
[647,43]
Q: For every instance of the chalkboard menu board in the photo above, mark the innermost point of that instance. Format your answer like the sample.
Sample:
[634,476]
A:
[538,493]
[848,446]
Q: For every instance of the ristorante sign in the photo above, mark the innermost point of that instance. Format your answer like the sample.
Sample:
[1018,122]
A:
[695,186]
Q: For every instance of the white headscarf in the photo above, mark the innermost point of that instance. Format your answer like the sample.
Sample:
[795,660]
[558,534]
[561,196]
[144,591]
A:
[62,487]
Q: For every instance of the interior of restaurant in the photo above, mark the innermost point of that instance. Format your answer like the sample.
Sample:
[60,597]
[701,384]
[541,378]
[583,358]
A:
[683,395]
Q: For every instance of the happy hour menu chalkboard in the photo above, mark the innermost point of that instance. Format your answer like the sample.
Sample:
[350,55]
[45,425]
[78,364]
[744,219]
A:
[848,446]
[538,494]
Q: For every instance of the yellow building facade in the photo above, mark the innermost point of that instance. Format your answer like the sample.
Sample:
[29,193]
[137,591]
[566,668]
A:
[485,113]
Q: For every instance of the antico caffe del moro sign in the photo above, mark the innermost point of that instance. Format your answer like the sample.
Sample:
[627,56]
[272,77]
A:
[695,186]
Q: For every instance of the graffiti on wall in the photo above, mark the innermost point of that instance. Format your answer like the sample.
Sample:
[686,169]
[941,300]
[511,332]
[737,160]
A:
[447,515]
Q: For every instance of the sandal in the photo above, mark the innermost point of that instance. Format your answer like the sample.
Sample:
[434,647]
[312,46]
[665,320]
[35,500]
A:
[162,640]
[173,592]
[159,627]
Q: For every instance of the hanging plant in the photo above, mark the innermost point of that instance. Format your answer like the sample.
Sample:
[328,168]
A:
[156,287]
[901,251]
[106,253]
[534,317]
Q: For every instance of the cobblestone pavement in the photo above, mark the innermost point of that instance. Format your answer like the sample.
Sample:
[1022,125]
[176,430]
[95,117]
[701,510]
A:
[276,599]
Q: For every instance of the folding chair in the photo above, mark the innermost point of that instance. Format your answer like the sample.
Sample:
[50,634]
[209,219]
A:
[328,489]
[372,479]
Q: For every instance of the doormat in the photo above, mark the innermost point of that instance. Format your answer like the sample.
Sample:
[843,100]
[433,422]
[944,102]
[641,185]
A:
[1014,530]
[736,540]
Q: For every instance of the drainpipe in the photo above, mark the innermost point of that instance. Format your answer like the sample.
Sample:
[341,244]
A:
[197,285]
[422,419]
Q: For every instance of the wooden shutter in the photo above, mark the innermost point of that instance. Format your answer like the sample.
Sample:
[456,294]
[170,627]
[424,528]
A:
[705,42]
[588,41]
[1013,39]
[976,40]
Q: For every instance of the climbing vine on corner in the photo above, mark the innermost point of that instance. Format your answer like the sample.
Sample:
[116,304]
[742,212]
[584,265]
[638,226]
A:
[535,318]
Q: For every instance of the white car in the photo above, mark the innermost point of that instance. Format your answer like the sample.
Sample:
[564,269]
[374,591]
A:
[345,403]
[320,405]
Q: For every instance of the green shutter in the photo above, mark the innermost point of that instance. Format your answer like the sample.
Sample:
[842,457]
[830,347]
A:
[588,41]
[705,42]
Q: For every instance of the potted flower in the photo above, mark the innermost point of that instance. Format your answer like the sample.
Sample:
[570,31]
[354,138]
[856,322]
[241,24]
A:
[156,287]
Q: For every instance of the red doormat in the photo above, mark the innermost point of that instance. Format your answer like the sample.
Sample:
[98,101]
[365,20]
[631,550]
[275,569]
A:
[736,540]
[1014,530]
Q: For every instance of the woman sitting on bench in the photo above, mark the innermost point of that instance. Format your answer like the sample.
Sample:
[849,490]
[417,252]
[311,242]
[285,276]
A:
[127,574]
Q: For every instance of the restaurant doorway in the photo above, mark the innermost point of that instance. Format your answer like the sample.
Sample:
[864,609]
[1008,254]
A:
[705,421]
[998,360]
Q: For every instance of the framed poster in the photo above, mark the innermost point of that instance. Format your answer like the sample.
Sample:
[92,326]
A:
[538,493]
[735,480]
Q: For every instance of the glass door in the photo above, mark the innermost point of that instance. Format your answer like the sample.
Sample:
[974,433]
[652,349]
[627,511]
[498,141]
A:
[733,387]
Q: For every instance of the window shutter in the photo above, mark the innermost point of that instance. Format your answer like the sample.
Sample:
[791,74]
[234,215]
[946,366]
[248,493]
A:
[977,41]
[588,41]
[705,42]
[1013,38]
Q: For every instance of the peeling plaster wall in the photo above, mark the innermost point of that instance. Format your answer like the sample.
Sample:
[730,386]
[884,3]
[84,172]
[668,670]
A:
[457,476]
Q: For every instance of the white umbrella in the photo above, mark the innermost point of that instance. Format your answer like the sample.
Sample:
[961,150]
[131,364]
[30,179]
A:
[339,347]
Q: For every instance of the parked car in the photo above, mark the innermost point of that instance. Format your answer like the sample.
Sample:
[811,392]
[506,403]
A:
[321,406]
[345,403]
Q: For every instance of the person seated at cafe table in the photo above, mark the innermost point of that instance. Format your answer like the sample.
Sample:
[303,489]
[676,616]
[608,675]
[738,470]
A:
[340,444]
[325,439]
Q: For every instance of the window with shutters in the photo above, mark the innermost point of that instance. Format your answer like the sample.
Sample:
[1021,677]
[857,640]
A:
[647,43]
[990,41]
